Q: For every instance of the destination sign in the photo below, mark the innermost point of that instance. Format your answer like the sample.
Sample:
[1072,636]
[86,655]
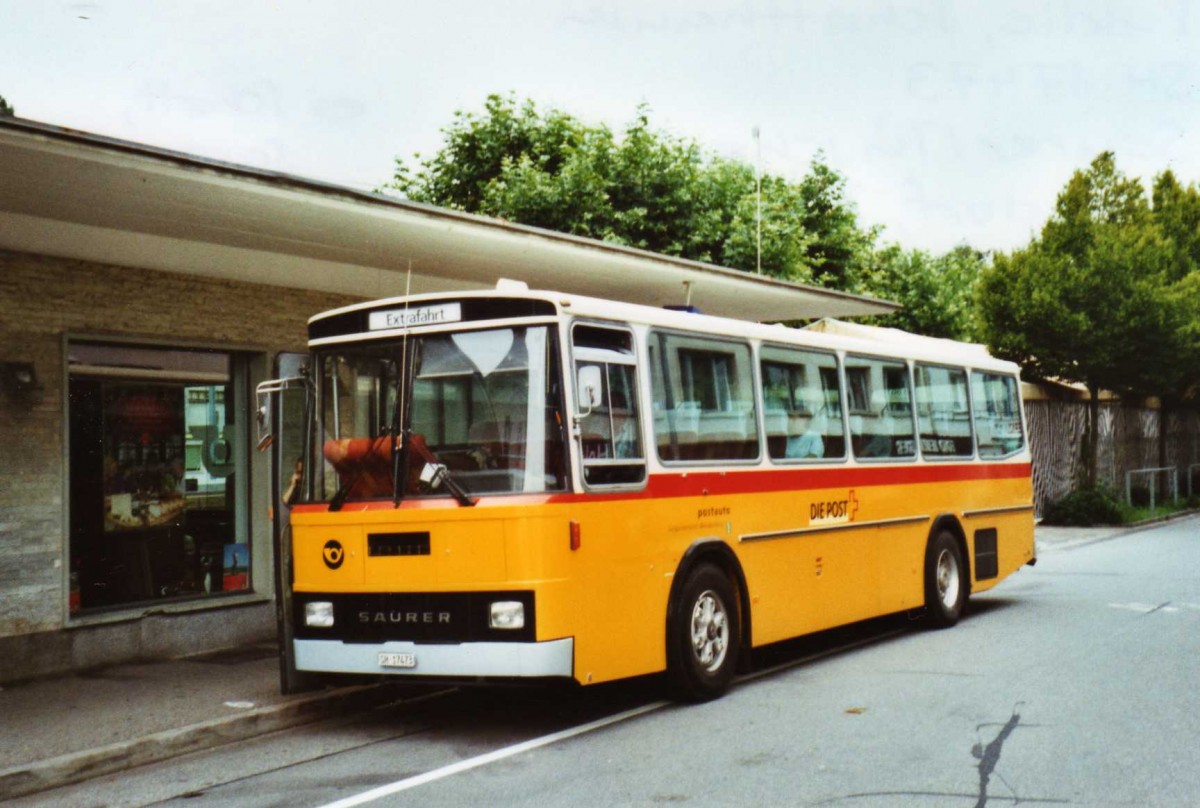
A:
[415,316]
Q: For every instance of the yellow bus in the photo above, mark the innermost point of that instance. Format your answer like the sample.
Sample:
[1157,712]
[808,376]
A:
[517,485]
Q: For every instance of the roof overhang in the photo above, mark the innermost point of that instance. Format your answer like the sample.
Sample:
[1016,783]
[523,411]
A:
[83,196]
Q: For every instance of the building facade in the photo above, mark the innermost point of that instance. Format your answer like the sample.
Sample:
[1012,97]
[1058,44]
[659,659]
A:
[134,513]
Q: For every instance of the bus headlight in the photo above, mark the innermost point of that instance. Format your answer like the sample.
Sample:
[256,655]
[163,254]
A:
[507,614]
[318,614]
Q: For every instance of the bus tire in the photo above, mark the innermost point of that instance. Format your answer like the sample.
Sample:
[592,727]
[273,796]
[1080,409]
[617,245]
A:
[704,636]
[945,581]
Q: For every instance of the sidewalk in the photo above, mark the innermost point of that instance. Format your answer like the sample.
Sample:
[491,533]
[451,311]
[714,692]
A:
[1049,538]
[67,729]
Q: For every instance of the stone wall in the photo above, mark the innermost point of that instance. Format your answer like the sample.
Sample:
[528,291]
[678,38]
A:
[44,299]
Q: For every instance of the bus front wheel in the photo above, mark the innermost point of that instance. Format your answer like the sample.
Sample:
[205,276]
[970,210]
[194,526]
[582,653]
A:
[945,581]
[704,636]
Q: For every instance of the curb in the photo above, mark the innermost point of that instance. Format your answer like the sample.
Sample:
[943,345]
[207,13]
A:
[41,775]
[1154,521]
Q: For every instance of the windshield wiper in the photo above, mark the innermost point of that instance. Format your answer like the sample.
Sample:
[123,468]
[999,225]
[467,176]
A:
[339,498]
[436,474]
[400,453]
[401,434]
[405,444]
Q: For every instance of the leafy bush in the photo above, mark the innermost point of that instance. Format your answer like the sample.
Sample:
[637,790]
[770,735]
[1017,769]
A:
[1083,508]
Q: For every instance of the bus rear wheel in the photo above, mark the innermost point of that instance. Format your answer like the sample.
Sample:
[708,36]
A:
[945,581]
[704,636]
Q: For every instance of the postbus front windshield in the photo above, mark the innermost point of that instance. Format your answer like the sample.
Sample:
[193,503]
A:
[484,404]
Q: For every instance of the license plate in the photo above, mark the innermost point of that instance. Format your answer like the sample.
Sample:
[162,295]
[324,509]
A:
[387,660]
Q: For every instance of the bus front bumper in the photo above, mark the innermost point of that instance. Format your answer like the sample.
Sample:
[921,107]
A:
[471,659]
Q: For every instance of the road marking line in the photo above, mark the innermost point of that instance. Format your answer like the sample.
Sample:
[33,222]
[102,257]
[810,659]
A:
[491,757]
[1142,608]
[1150,608]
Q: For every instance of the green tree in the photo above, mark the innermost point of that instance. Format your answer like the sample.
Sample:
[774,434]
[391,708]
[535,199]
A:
[1186,297]
[839,248]
[1089,301]
[645,189]
[936,292]
[785,242]
[1176,211]
[6,110]
[479,148]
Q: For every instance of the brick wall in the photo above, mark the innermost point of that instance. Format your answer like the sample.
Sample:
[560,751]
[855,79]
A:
[41,300]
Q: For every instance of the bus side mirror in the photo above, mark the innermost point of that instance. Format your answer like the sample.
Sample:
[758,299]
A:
[265,438]
[589,383]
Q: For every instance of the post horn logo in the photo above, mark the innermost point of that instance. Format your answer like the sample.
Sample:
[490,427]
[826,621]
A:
[333,553]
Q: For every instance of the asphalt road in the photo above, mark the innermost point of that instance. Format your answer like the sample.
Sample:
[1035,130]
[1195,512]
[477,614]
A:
[1073,683]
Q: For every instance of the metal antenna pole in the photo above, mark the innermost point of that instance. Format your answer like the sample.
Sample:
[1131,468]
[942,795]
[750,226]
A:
[757,202]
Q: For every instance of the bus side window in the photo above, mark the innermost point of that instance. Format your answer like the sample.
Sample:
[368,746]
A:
[802,404]
[942,411]
[606,392]
[881,423]
[707,399]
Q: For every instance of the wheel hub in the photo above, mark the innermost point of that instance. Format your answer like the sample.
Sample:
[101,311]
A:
[710,631]
[947,579]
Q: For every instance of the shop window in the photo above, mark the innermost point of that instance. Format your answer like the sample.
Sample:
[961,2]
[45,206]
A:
[158,470]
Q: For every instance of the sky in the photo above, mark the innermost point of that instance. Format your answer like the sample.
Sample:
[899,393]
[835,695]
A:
[952,122]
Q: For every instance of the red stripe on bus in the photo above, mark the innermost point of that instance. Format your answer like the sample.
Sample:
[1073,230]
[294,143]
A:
[674,484]
[714,483]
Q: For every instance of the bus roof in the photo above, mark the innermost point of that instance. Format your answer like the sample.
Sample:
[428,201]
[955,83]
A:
[828,334]
[962,351]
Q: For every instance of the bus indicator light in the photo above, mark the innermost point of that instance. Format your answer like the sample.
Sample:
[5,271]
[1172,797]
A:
[576,536]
